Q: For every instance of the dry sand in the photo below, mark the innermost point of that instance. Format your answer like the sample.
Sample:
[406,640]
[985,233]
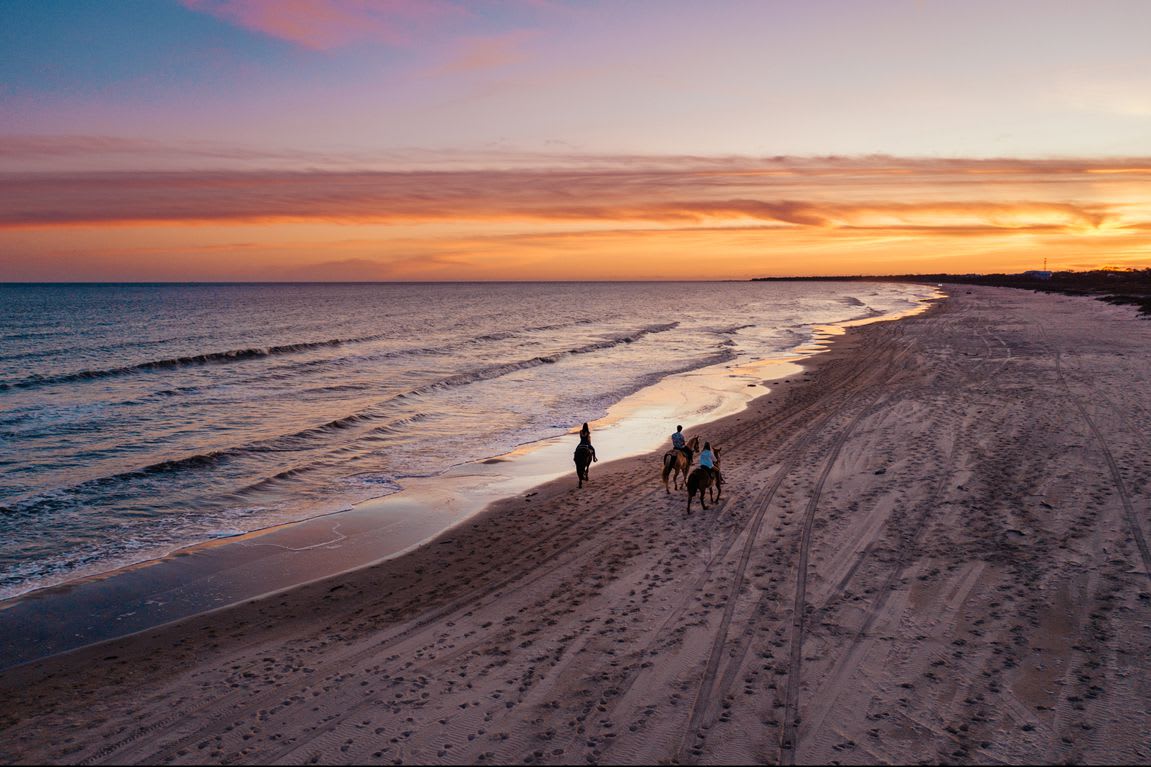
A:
[932,546]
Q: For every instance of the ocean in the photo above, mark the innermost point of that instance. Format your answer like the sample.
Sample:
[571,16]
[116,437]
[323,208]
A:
[136,420]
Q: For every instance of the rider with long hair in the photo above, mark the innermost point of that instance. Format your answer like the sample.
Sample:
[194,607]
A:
[585,440]
[707,458]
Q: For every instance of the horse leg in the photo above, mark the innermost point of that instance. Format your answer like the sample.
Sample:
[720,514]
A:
[696,483]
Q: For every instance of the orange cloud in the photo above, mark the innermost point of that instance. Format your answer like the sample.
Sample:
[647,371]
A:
[833,194]
[578,218]
[318,251]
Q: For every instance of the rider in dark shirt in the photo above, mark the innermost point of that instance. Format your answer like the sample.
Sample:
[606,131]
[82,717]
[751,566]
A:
[585,440]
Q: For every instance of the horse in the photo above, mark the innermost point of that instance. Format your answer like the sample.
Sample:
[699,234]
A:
[582,457]
[676,464]
[701,480]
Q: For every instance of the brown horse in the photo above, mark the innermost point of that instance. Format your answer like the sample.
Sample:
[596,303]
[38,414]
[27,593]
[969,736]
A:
[676,464]
[583,459]
[701,480]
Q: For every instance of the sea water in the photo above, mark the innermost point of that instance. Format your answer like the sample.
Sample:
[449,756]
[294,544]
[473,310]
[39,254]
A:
[139,419]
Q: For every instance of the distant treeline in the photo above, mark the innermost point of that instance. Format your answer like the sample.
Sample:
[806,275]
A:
[1116,286]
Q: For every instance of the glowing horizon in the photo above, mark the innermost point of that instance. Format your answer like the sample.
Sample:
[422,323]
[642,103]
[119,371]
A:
[440,140]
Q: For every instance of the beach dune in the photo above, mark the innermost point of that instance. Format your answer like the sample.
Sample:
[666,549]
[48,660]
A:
[931,546]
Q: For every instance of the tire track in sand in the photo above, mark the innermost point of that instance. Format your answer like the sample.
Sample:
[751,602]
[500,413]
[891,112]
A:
[791,409]
[703,709]
[789,737]
[1116,476]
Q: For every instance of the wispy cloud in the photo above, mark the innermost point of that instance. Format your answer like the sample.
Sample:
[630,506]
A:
[323,24]
[74,148]
[479,54]
[828,193]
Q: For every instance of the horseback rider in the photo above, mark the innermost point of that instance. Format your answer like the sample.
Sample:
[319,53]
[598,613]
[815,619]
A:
[707,461]
[679,443]
[585,441]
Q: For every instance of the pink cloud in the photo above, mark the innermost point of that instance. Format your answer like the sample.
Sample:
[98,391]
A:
[482,53]
[324,24]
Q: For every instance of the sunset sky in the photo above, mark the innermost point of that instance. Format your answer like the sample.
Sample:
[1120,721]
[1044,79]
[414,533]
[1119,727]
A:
[156,140]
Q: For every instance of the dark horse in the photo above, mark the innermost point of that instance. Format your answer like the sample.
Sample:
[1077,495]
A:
[583,457]
[676,463]
[701,480]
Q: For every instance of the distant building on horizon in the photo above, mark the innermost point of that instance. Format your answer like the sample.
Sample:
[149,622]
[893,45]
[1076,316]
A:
[1038,274]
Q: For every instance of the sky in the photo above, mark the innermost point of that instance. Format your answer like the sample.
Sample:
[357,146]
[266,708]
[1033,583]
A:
[220,140]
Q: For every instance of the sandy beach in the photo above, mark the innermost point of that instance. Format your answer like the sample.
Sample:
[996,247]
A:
[931,547]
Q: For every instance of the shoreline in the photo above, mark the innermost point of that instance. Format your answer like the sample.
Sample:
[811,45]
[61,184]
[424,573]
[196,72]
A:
[927,550]
[212,575]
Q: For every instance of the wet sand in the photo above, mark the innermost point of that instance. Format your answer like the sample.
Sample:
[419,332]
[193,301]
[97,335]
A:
[932,546]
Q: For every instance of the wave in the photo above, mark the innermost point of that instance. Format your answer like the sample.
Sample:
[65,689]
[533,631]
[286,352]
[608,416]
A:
[107,348]
[208,358]
[24,336]
[495,371]
[629,339]
[506,334]
[334,388]
[292,370]
[179,391]
[240,355]
[305,439]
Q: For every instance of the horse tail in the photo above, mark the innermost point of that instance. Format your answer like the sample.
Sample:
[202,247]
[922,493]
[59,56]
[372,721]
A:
[668,468]
[696,484]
